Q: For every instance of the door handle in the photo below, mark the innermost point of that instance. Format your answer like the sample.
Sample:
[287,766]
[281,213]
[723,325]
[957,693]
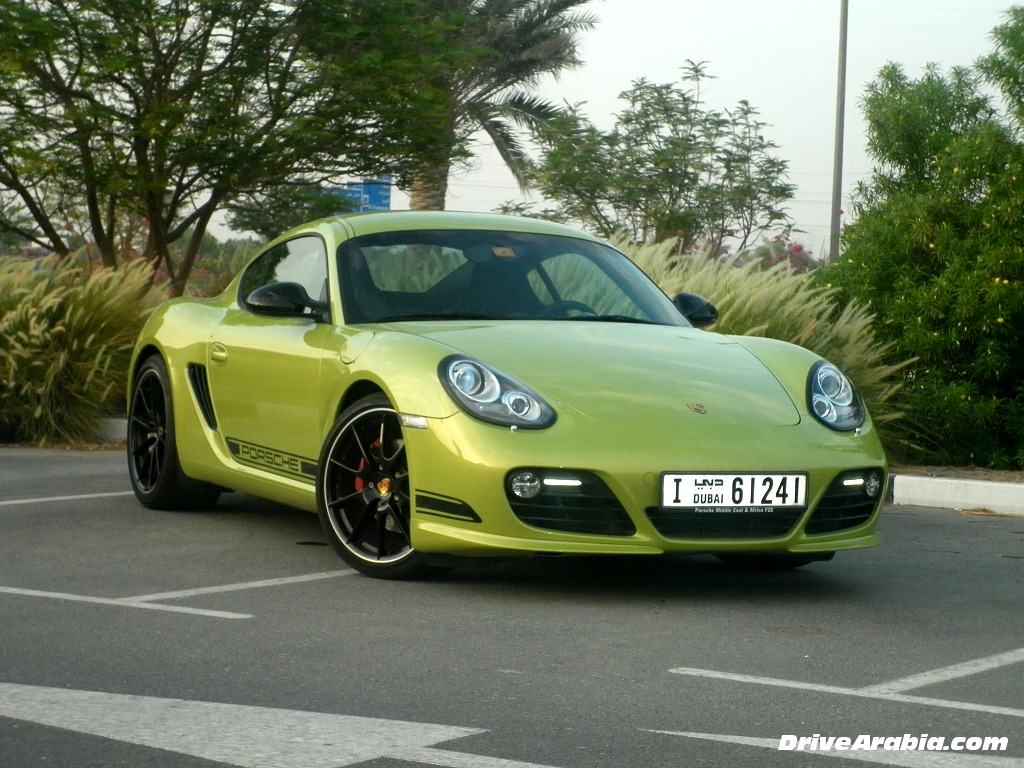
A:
[218,353]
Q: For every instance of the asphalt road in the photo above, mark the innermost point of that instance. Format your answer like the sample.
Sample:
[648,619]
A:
[236,637]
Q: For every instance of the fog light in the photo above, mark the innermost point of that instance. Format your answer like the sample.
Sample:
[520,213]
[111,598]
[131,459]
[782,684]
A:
[525,485]
[873,484]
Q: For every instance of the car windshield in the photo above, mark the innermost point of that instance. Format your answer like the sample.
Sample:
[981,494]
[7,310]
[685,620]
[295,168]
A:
[494,275]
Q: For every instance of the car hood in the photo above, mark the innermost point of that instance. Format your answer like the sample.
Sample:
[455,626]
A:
[604,370]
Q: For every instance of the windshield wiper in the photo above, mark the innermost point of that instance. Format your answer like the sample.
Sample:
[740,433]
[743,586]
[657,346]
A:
[612,319]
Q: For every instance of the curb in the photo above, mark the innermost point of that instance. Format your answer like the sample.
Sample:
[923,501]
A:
[956,493]
[111,430]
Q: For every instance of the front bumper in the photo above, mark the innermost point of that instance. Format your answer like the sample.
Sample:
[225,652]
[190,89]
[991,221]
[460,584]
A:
[459,468]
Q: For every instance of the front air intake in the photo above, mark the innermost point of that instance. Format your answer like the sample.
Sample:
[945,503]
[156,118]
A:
[571,501]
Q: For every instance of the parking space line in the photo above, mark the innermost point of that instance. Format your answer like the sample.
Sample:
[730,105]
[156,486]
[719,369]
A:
[123,603]
[864,693]
[150,602]
[773,681]
[444,758]
[52,499]
[236,587]
[972,667]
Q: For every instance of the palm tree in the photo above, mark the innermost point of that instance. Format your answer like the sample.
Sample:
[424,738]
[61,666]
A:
[517,42]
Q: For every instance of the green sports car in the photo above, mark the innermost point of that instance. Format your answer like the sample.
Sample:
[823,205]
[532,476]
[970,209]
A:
[446,385]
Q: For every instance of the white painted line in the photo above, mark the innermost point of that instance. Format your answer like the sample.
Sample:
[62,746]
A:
[54,499]
[878,757]
[149,602]
[858,692]
[448,759]
[972,667]
[238,735]
[236,587]
[775,682]
[123,603]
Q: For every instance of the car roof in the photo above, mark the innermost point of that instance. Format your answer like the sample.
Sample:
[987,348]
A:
[356,224]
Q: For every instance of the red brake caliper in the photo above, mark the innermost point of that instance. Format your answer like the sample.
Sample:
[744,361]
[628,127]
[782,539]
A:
[360,485]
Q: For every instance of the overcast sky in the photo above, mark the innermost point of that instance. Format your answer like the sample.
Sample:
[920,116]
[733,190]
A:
[780,55]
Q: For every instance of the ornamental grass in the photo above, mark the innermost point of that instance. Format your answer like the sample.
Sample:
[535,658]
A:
[66,336]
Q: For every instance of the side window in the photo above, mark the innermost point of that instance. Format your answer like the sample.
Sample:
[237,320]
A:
[302,260]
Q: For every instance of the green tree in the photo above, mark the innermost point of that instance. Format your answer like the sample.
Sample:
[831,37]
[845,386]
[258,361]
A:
[936,248]
[276,210]
[670,168]
[161,111]
[515,44]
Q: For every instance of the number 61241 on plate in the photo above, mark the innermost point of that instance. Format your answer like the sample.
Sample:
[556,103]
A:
[714,489]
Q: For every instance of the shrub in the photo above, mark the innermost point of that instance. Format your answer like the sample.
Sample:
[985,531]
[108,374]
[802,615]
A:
[782,250]
[66,335]
[214,269]
[955,423]
[935,248]
[782,303]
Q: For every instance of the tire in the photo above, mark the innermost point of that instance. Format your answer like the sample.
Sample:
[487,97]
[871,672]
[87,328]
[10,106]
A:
[771,562]
[363,492]
[153,466]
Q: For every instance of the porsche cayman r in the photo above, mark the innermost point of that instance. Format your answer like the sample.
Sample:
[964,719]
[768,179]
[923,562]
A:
[471,385]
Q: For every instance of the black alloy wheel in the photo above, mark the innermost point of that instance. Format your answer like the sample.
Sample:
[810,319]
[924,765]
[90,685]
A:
[153,466]
[363,492]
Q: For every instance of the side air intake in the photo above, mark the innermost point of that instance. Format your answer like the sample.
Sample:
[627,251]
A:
[201,389]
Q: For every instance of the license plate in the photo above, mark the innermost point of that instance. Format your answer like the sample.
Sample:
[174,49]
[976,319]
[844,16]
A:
[727,492]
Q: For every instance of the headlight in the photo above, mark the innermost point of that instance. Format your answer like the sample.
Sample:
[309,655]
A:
[832,398]
[490,395]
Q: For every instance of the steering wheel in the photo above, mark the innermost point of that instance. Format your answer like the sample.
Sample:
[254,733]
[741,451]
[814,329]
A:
[563,308]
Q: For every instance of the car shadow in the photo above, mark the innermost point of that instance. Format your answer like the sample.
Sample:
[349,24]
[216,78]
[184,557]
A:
[672,576]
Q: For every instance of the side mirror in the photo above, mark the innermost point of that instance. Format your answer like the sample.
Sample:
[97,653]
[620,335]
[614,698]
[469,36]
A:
[286,300]
[698,310]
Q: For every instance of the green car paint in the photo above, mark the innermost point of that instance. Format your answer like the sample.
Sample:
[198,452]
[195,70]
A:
[255,400]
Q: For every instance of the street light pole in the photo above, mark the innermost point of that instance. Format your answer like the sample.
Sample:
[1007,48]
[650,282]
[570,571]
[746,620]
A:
[837,165]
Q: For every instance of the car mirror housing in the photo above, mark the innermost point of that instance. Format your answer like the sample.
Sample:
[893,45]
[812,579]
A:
[286,300]
[698,310]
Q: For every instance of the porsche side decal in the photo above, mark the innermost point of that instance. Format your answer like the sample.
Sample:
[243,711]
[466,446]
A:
[280,463]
